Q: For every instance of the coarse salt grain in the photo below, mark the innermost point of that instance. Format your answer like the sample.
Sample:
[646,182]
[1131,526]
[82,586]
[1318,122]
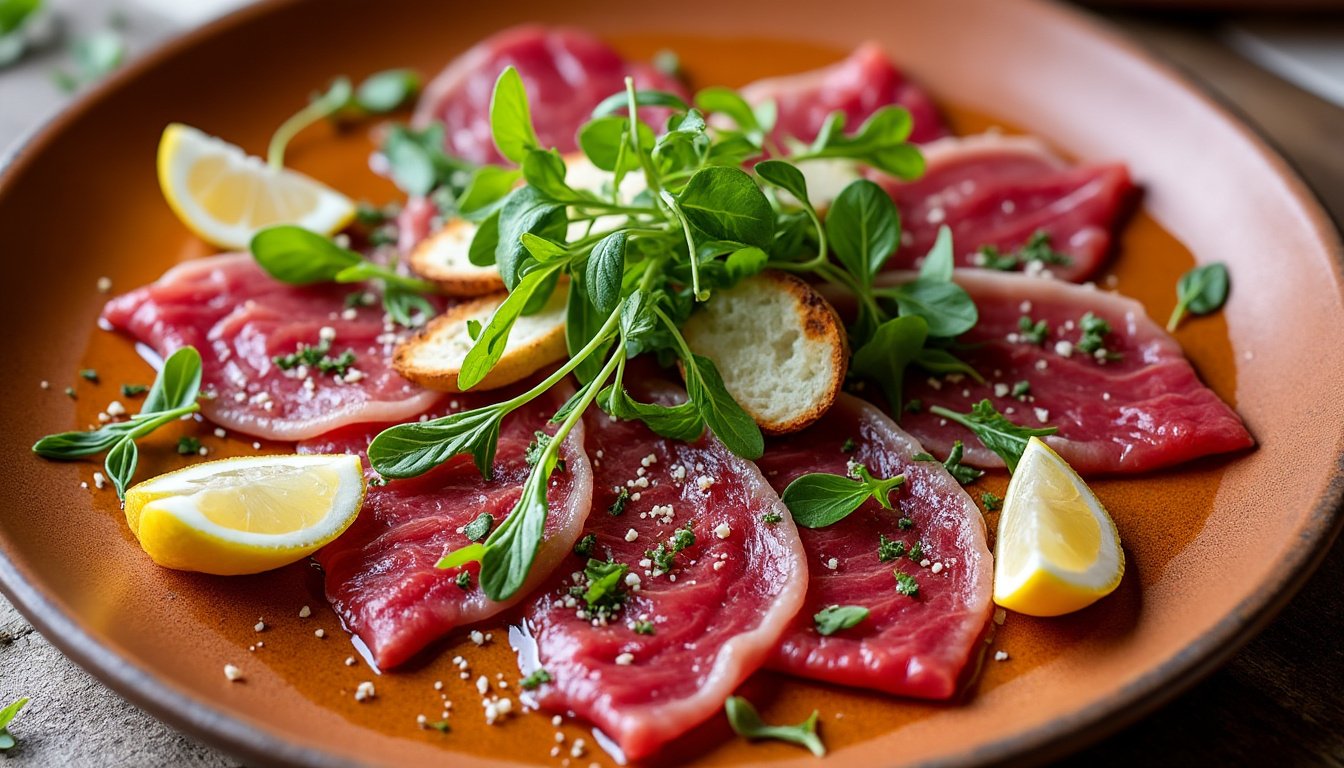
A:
[305,612]
[365,691]
[1000,655]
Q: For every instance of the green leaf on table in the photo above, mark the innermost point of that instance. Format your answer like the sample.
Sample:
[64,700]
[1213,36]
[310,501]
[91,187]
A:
[7,715]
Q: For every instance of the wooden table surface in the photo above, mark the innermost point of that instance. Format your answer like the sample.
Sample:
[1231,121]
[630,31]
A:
[1280,701]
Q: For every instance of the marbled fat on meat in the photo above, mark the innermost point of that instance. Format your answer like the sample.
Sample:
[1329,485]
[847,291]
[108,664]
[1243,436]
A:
[567,72]
[910,645]
[240,318]
[380,574]
[1143,410]
[994,190]
[715,617]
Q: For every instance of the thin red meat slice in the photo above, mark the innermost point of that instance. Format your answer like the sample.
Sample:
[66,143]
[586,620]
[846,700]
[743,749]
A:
[858,86]
[1143,411]
[567,72]
[380,574]
[916,645]
[715,617]
[994,190]
[239,318]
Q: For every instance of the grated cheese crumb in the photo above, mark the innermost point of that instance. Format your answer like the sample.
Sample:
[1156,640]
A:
[625,659]
[305,612]
[365,691]
[723,531]
[1000,655]
[233,673]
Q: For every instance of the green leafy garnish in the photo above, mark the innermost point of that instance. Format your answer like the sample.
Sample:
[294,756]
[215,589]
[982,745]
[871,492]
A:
[133,390]
[837,617]
[962,473]
[463,580]
[584,546]
[188,445]
[294,255]
[317,357]
[604,592]
[386,91]
[89,374]
[643,627]
[1201,291]
[172,397]
[95,56]
[995,431]
[664,554]
[817,499]
[617,505]
[7,715]
[992,501]
[637,268]
[746,722]
[14,13]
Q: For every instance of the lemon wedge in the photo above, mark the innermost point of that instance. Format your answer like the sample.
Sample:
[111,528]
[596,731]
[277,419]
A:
[1057,551]
[246,514]
[225,195]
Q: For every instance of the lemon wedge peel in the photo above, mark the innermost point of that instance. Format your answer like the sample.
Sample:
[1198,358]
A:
[246,514]
[1057,549]
[226,196]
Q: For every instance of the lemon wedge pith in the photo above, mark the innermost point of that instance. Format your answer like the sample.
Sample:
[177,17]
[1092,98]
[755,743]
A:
[226,196]
[246,514]
[1058,550]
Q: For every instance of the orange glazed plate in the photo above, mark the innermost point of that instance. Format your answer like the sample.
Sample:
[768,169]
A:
[1214,548]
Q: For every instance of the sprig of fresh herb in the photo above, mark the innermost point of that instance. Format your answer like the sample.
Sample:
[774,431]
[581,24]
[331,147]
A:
[963,473]
[817,499]
[746,722]
[1201,291]
[95,56]
[7,715]
[294,255]
[378,94]
[834,618]
[172,396]
[995,431]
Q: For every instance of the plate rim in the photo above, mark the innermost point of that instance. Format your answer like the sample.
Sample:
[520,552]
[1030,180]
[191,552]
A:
[1156,687]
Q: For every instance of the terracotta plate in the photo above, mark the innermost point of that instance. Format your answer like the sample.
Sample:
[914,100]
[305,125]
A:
[1214,548]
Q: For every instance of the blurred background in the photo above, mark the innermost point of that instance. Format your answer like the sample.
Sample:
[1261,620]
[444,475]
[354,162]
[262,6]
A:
[1280,63]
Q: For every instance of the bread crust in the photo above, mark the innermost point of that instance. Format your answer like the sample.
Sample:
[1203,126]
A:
[441,259]
[517,363]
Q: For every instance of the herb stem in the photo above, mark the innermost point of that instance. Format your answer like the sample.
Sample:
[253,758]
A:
[337,96]
[601,337]
[690,243]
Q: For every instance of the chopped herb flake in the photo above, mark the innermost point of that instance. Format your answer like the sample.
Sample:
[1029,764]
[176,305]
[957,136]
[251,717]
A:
[889,549]
[1021,389]
[906,584]
[463,580]
[905,523]
[991,501]
[916,551]
[479,528]
[1032,332]
[914,406]
[439,725]
[662,555]
[535,680]
[133,390]
[70,393]
[772,518]
[89,374]
[837,617]
[643,627]
[188,445]
[584,547]
[849,445]
[605,593]
[618,506]
[315,356]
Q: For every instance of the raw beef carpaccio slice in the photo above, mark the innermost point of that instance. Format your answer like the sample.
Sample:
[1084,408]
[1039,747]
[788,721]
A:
[1000,191]
[567,72]
[1140,408]
[857,86]
[240,318]
[684,639]
[910,645]
[380,574]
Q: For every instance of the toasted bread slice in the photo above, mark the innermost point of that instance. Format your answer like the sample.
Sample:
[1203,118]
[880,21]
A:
[442,259]
[779,345]
[434,357]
